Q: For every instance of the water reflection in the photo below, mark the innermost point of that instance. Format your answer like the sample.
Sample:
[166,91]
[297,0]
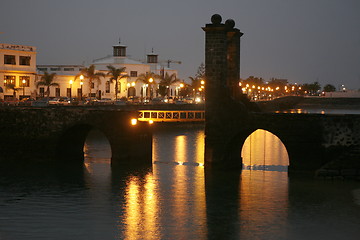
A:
[263,149]
[322,111]
[141,209]
[173,201]
[263,204]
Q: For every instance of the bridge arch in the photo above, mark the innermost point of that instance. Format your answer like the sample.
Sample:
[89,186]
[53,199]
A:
[264,148]
[70,145]
[236,143]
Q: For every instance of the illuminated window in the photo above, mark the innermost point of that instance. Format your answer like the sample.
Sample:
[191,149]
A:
[9,59]
[69,69]
[24,81]
[55,69]
[9,80]
[24,60]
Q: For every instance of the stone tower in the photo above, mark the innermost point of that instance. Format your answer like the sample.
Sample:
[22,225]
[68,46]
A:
[222,75]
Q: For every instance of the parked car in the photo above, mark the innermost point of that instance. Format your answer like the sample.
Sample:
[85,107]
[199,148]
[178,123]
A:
[119,102]
[105,101]
[169,100]
[26,101]
[60,101]
[134,100]
[157,101]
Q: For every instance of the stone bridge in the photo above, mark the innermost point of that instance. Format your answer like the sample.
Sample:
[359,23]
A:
[57,135]
[312,140]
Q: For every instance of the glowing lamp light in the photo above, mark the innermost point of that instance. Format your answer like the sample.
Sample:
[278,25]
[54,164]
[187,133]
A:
[181,163]
[202,82]
[81,77]
[133,84]
[133,121]
[151,121]
[181,85]
[151,80]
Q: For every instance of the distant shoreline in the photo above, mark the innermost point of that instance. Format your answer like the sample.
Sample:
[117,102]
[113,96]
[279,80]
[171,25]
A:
[300,102]
[329,103]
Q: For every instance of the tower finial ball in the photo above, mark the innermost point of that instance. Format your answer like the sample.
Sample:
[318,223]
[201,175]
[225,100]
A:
[230,23]
[216,19]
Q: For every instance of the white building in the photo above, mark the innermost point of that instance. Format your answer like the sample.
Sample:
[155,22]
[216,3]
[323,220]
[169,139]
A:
[17,71]
[127,87]
[65,77]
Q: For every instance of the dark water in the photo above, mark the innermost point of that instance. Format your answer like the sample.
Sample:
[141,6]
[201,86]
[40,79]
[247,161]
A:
[176,198]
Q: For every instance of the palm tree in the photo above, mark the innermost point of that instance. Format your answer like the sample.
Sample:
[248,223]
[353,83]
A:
[116,75]
[195,84]
[329,88]
[166,82]
[11,86]
[47,80]
[148,78]
[91,75]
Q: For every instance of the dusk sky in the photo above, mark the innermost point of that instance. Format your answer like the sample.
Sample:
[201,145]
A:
[300,40]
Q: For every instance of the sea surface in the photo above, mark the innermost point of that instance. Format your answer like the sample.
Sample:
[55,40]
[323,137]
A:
[176,198]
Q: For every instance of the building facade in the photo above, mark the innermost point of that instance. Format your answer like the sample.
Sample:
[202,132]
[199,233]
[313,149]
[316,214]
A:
[17,71]
[128,87]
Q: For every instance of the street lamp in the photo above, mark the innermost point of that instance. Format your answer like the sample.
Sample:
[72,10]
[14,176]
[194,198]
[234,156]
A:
[23,82]
[151,80]
[71,82]
[81,86]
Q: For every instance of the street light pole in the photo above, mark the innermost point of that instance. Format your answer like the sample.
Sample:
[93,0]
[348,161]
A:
[81,86]
[151,80]
[71,82]
[23,82]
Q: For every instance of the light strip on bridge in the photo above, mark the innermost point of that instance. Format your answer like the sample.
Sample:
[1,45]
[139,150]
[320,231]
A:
[171,116]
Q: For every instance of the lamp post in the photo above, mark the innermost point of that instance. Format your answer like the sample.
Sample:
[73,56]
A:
[151,80]
[81,86]
[71,82]
[180,90]
[23,83]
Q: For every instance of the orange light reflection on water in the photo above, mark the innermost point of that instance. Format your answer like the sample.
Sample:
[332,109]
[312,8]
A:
[141,209]
[264,203]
